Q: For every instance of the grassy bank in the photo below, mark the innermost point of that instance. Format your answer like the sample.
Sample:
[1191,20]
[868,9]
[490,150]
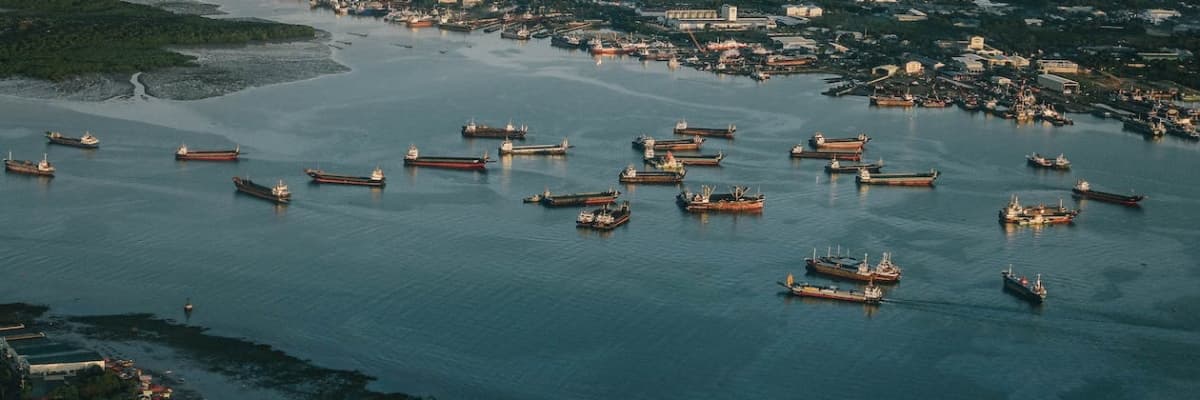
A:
[58,39]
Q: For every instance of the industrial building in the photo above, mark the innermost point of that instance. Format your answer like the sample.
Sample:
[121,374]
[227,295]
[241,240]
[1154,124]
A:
[725,20]
[1058,84]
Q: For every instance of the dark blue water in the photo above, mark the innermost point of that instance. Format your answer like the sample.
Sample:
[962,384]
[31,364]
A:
[444,283]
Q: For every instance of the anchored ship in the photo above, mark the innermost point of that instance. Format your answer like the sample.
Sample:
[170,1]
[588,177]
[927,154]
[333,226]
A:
[1084,189]
[183,153]
[736,200]
[681,128]
[1020,286]
[799,152]
[853,268]
[40,168]
[279,193]
[643,142]
[870,294]
[574,199]
[87,141]
[603,218]
[632,175]
[1014,213]
[471,129]
[319,176]
[837,167]
[676,162]
[507,148]
[1037,160]
[414,158]
[899,179]
[819,141]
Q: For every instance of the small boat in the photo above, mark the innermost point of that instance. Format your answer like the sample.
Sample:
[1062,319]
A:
[577,199]
[819,141]
[1035,293]
[187,307]
[183,153]
[681,128]
[87,141]
[799,152]
[671,161]
[279,193]
[471,129]
[1059,162]
[632,175]
[1084,189]
[319,176]
[507,148]
[414,158]
[853,268]
[736,200]
[643,142]
[759,75]
[899,179]
[1016,214]
[603,218]
[40,168]
[870,294]
[837,167]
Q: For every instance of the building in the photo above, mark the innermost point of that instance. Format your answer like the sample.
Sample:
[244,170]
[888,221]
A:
[1001,81]
[690,14]
[1057,67]
[795,43]
[975,43]
[912,15]
[969,64]
[1157,15]
[42,357]
[725,20]
[806,11]
[886,70]
[1058,84]
[914,68]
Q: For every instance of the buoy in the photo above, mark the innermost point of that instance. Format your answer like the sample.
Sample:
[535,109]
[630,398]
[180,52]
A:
[188,307]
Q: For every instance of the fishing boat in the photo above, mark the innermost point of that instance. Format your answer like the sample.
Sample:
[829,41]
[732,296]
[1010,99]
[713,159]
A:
[414,158]
[1020,286]
[893,101]
[643,142]
[320,176]
[87,141]
[681,128]
[632,175]
[736,200]
[577,199]
[1084,189]
[870,294]
[184,153]
[898,179]
[507,148]
[835,166]
[819,141]
[672,161]
[508,131]
[1037,160]
[603,218]
[853,268]
[279,193]
[40,168]
[1016,214]
[798,151]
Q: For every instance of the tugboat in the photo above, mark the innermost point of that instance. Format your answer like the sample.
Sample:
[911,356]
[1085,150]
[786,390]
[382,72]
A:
[1084,189]
[483,131]
[603,218]
[40,168]
[413,158]
[643,142]
[86,142]
[734,201]
[507,148]
[1014,213]
[901,179]
[576,199]
[681,128]
[183,153]
[278,194]
[870,294]
[676,162]
[836,167]
[1020,286]
[799,152]
[1059,162]
[853,268]
[319,176]
[632,175]
[819,141]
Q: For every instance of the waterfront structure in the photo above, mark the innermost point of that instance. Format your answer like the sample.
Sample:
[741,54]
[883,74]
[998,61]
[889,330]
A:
[726,19]
[42,357]
[1057,67]
[1058,84]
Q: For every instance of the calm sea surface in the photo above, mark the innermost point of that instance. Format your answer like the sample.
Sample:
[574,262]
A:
[444,283]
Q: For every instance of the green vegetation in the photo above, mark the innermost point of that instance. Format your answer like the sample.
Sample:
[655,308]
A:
[94,384]
[58,39]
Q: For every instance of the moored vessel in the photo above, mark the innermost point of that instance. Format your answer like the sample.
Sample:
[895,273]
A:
[1144,126]
[1037,160]
[798,151]
[87,141]
[632,175]
[893,101]
[517,34]
[837,167]
[1084,189]
[643,142]
[507,148]
[1014,213]
[575,199]
[508,131]
[871,294]
[1020,286]
[604,218]
[414,158]
[736,200]
[671,161]
[682,128]
[853,268]
[184,153]
[320,176]
[40,168]
[897,179]
[819,141]
[278,193]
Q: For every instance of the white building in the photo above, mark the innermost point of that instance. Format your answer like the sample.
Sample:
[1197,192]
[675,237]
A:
[725,20]
[970,64]
[1058,83]
[913,68]
[1057,67]
[804,10]
[1158,15]
[795,42]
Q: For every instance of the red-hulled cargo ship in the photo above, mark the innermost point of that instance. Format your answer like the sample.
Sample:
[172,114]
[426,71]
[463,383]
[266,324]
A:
[799,152]
[865,177]
[819,141]
[736,200]
[320,176]
[40,168]
[414,158]
[643,142]
[870,294]
[681,128]
[1014,213]
[183,153]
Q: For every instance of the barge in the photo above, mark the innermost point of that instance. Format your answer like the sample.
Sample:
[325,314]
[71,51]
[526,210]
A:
[819,141]
[1084,189]
[414,158]
[870,294]
[1037,160]
[40,168]
[603,218]
[320,176]
[508,131]
[893,101]
[799,152]
[183,153]
[507,148]
[632,175]
[681,128]
[574,199]
[646,142]
[853,268]
[279,193]
[672,161]
[1016,214]
[837,167]
[86,142]
[736,200]
[898,179]
[1035,293]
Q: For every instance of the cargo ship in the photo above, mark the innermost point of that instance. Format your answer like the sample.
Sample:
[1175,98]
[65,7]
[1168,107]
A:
[1016,214]
[735,201]
[279,193]
[598,48]
[471,129]
[899,179]
[566,41]
[1035,293]
[870,294]
[319,176]
[519,34]
[507,148]
[893,101]
[672,161]
[643,142]
[575,199]
[183,153]
[413,158]
[86,142]
[1084,189]
[1059,162]
[632,175]
[457,26]
[681,128]
[837,167]
[420,21]
[853,268]
[40,168]
[603,218]
[799,152]
[819,141]
[1153,128]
